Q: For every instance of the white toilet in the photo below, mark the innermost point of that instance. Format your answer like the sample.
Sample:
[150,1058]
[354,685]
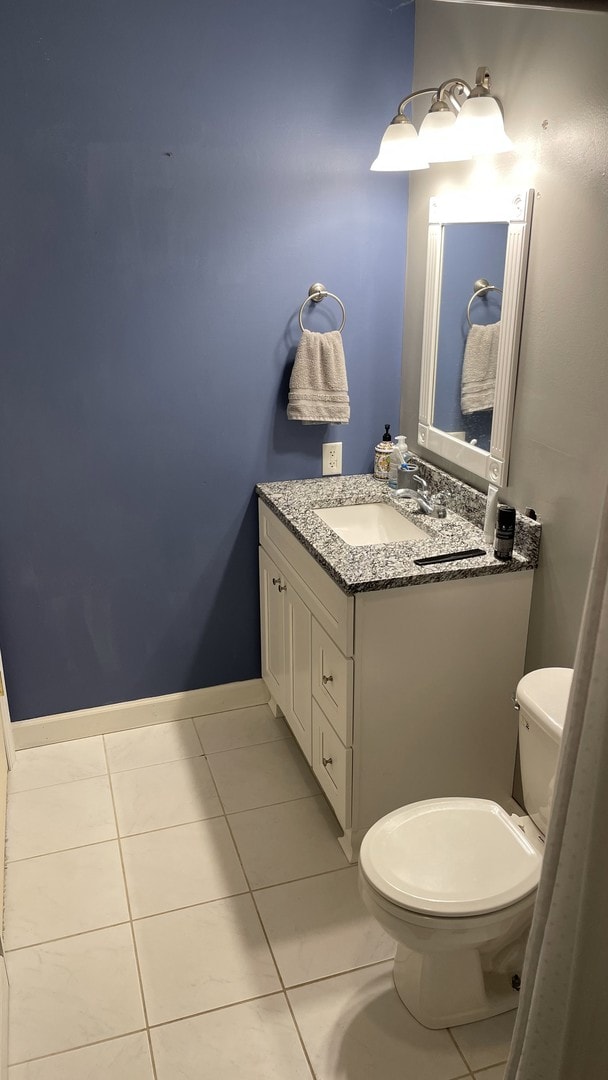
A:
[454,880]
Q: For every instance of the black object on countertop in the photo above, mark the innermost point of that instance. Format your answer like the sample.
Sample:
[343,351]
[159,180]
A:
[504,534]
[451,556]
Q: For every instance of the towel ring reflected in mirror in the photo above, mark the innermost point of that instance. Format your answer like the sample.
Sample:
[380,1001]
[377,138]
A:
[482,287]
[316,293]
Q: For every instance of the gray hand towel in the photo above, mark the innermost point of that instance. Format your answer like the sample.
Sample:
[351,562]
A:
[318,388]
[479,369]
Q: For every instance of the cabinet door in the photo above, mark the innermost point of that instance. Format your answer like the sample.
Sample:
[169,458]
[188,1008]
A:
[272,590]
[298,669]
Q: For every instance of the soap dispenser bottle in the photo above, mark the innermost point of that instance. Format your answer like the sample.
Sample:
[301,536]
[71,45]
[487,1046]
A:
[382,454]
[398,458]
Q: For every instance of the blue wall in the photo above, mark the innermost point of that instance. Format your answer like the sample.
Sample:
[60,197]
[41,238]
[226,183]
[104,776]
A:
[175,175]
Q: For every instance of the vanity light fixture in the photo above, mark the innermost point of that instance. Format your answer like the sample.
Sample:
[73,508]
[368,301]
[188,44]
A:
[461,123]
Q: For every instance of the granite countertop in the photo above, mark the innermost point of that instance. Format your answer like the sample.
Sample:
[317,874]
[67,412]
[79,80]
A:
[389,566]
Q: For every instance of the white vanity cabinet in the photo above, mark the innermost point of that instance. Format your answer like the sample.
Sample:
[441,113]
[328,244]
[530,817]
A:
[393,695]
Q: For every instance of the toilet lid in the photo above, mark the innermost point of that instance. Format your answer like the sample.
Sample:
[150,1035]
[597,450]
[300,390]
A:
[450,857]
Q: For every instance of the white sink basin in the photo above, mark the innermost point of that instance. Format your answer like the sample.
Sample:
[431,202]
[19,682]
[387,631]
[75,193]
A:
[370,523]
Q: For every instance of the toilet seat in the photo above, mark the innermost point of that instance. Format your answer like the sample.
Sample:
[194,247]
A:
[450,857]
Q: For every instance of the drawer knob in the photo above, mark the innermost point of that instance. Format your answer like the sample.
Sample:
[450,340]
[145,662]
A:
[327,678]
[327,760]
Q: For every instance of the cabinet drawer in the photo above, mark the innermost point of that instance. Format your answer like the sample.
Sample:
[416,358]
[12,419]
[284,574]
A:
[332,683]
[332,764]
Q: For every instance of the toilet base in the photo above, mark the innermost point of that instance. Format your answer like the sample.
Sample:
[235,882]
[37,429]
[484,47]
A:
[444,989]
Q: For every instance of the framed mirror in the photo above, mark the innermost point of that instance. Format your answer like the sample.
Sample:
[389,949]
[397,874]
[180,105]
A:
[475,281]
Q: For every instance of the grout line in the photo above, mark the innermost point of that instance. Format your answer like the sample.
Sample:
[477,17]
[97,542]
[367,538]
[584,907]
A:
[304,877]
[271,950]
[216,1008]
[188,907]
[300,1036]
[249,893]
[178,825]
[337,974]
[81,1046]
[68,937]
[496,1063]
[151,1051]
[155,764]
[248,746]
[189,757]
[221,712]
[479,1072]
[164,828]
[198,735]
[266,806]
[61,851]
[453,1038]
[267,939]
[57,783]
[132,929]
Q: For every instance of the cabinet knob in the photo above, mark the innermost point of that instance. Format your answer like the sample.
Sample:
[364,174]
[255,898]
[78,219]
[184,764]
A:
[277,581]
[327,678]
[282,588]
[327,760]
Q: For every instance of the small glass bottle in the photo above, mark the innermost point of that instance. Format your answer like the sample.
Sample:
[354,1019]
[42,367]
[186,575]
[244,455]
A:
[504,534]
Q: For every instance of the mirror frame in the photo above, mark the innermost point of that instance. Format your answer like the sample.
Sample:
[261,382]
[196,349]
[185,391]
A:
[515,208]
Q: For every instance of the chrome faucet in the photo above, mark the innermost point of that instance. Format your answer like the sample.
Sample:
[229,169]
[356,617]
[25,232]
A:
[433,505]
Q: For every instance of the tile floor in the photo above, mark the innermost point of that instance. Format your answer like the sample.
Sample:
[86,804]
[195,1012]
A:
[177,905]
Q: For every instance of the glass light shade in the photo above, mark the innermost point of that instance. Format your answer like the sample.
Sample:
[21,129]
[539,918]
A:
[399,150]
[480,126]
[438,138]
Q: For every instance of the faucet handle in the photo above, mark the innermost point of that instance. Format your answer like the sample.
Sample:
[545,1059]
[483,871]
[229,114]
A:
[423,484]
[440,505]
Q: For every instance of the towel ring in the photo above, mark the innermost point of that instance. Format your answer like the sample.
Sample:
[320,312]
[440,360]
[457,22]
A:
[481,287]
[316,293]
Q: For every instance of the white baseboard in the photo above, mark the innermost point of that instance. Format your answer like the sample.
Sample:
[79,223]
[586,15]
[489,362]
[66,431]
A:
[63,727]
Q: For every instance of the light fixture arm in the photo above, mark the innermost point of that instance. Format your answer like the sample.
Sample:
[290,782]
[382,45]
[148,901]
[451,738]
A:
[415,94]
[452,87]
[448,89]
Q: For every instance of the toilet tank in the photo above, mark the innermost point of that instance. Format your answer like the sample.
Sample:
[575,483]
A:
[542,697]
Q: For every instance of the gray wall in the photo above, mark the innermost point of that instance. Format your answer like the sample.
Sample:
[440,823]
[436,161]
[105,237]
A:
[549,69]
